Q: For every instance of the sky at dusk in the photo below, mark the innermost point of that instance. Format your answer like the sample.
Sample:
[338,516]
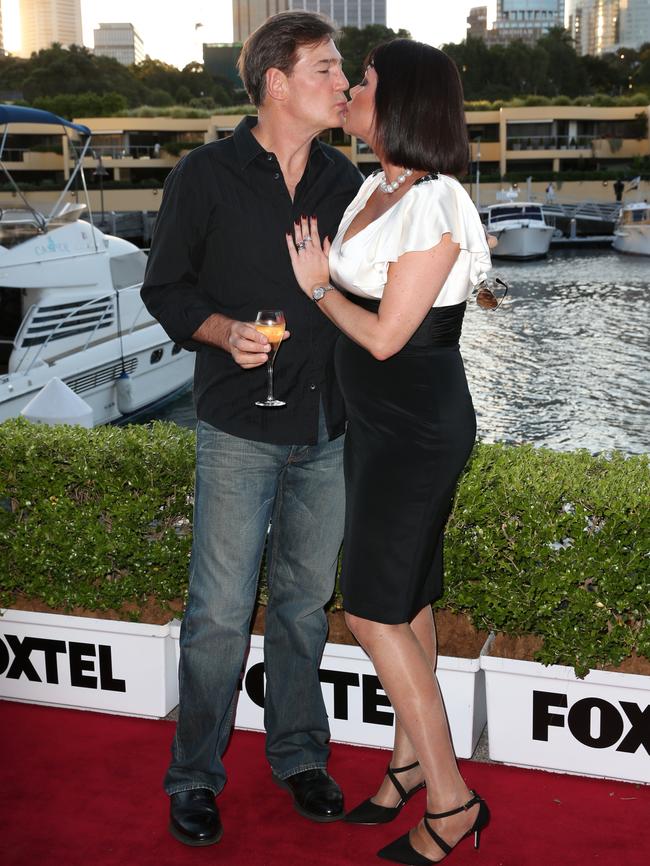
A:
[176,39]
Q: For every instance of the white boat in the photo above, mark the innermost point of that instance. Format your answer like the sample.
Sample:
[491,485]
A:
[70,304]
[520,229]
[632,229]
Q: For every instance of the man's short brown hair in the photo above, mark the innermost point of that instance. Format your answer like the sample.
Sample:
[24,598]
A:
[275,44]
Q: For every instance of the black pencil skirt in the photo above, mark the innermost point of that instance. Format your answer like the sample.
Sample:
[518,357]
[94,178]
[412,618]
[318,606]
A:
[411,428]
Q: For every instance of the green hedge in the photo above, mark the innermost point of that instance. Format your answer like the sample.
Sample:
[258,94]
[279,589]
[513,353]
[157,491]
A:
[540,542]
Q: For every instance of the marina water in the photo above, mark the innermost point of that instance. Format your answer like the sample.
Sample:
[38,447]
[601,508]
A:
[564,363]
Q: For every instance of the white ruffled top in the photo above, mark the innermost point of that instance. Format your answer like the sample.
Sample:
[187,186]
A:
[427,211]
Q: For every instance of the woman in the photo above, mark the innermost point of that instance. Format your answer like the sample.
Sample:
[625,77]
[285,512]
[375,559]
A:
[408,250]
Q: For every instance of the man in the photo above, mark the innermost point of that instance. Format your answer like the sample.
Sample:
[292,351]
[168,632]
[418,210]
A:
[218,256]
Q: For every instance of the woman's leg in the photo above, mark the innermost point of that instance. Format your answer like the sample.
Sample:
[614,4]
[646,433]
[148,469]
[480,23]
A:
[407,676]
[423,626]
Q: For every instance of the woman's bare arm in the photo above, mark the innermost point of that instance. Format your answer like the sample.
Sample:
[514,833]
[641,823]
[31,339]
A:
[413,284]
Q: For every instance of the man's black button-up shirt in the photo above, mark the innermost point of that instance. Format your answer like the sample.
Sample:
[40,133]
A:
[219,247]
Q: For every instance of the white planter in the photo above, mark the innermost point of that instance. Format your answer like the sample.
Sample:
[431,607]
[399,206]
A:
[358,709]
[546,717]
[87,663]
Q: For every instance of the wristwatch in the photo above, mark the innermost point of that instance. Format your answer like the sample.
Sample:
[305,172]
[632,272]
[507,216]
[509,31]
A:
[318,293]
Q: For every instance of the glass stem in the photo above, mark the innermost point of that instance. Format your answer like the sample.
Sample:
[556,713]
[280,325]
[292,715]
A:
[269,373]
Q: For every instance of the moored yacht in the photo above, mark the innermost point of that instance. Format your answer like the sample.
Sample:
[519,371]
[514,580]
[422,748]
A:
[520,229]
[632,229]
[70,304]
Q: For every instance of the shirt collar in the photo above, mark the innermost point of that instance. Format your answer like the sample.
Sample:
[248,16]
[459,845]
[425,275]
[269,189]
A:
[248,147]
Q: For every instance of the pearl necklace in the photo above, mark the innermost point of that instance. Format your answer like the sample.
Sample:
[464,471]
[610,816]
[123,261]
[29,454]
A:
[390,187]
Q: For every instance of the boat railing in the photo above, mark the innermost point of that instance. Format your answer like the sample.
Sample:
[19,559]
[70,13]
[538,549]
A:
[594,210]
[104,303]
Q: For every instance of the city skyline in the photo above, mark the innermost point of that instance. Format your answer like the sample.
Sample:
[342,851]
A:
[436,26]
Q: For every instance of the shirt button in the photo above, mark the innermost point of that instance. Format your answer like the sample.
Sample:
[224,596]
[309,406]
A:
[312,387]
[276,175]
[269,156]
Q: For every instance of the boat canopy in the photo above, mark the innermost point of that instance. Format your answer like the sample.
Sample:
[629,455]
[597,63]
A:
[23,114]
[503,212]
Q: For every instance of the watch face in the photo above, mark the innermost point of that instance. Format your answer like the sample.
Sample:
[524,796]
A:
[318,293]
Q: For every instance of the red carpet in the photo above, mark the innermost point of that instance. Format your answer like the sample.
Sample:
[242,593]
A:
[84,788]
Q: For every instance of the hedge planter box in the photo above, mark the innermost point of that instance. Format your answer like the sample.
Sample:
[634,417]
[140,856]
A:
[546,717]
[359,711]
[87,663]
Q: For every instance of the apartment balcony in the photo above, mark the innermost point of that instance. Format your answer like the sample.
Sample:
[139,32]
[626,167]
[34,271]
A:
[567,147]
[24,159]
[490,150]
[620,148]
[132,156]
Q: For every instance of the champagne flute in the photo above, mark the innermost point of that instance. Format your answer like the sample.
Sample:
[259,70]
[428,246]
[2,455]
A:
[270,323]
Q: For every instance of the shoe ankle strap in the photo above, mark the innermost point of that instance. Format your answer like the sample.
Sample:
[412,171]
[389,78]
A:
[402,769]
[468,805]
[391,771]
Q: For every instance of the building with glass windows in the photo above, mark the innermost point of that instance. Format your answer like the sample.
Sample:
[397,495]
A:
[477,22]
[119,41]
[247,15]
[43,22]
[346,13]
[602,26]
[527,20]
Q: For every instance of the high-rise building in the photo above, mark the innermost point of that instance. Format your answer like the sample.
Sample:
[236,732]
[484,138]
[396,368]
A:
[2,44]
[119,41]
[594,25]
[43,22]
[477,22]
[346,13]
[634,29]
[527,20]
[601,26]
[247,15]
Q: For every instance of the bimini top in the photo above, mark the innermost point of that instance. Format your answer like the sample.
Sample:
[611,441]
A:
[23,114]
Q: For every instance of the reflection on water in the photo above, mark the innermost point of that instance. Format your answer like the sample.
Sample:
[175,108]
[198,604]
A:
[564,362]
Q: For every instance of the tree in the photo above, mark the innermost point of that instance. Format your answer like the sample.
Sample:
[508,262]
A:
[57,70]
[565,72]
[355,44]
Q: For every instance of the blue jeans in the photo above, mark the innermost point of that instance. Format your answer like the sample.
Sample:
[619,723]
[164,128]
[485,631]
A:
[241,486]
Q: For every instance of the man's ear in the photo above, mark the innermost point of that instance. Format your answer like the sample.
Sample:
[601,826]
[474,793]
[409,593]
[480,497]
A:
[276,83]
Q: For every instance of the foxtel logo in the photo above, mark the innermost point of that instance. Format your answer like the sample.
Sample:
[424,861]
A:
[372,697]
[89,666]
[594,722]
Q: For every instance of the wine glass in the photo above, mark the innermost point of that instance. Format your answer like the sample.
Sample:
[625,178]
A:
[270,323]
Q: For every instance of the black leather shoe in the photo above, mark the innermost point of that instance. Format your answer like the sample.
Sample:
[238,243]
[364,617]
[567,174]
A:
[194,817]
[315,795]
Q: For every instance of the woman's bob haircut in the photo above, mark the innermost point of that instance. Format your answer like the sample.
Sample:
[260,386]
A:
[419,112]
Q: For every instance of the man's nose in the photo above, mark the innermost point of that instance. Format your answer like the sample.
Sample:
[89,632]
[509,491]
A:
[342,83]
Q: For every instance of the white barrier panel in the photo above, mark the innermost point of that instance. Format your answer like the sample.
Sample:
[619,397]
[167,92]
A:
[88,663]
[358,709]
[546,717]
[131,668]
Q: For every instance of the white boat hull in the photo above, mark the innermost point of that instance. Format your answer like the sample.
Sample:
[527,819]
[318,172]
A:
[72,312]
[95,380]
[633,239]
[522,242]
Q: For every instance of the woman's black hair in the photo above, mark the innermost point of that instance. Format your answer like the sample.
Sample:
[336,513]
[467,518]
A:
[419,111]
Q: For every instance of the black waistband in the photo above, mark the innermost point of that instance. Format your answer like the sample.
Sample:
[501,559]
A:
[440,327]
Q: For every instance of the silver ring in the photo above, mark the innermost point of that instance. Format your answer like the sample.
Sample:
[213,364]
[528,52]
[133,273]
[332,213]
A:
[300,246]
[305,239]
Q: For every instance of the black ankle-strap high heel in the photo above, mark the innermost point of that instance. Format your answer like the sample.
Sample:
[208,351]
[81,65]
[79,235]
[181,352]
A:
[401,850]
[372,813]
